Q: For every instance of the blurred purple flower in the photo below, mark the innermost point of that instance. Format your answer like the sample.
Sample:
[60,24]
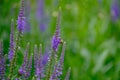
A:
[2,62]
[27,15]
[45,59]
[16,79]
[21,18]
[41,16]
[12,44]
[115,10]
[56,40]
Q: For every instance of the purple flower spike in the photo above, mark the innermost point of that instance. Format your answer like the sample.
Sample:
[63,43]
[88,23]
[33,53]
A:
[54,75]
[35,56]
[41,16]
[56,40]
[21,18]
[29,67]
[2,62]
[59,67]
[60,64]
[22,70]
[115,10]
[12,44]
[39,69]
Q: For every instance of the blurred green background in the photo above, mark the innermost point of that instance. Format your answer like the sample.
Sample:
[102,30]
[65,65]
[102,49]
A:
[88,27]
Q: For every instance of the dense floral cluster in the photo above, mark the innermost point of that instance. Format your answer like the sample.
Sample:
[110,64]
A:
[37,66]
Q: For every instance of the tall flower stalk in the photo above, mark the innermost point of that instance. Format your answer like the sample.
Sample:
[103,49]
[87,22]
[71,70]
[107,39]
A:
[59,67]
[39,67]
[56,40]
[22,70]
[20,27]
[12,43]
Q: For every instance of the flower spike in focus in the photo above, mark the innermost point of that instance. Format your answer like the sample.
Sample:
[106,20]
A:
[21,18]
[56,40]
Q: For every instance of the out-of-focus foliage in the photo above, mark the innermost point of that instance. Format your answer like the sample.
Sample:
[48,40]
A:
[92,36]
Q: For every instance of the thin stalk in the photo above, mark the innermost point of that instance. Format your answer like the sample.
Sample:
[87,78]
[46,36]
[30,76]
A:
[13,62]
[50,64]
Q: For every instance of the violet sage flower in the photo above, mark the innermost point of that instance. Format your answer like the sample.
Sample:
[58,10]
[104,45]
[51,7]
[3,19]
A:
[12,44]
[21,18]
[115,10]
[56,40]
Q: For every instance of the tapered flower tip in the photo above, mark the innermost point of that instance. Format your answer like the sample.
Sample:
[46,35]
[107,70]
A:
[12,43]
[56,40]
[35,55]
[68,74]
[21,18]
[29,66]
[27,47]
[35,50]
[40,49]
[57,32]
[12,26]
